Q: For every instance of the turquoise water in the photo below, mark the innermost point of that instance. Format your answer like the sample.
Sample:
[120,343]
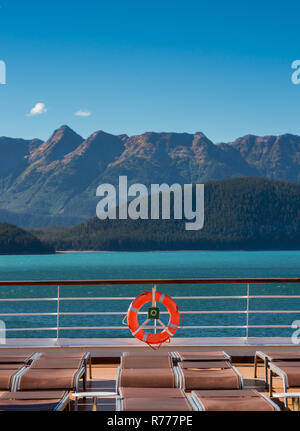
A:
[150,265]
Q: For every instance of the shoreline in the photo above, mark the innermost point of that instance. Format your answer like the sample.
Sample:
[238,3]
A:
[165,251]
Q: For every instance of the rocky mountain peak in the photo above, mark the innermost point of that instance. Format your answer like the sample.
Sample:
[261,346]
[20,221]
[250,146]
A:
[63,141]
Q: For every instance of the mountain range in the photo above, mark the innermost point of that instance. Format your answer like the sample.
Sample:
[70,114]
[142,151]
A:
[55,182]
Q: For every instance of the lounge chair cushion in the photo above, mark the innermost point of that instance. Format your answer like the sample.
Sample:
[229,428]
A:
[203,356]
[33,395]
[239,400]
[14,359]
[35,379]
[151,392]
[75,355]
[58,363]
[195,378]
[146,362]
[10,366]
[145,352]
[156,404]
[205,365]
[292,372]
[147,378]
[283,356]
[32,400]
[5,377]
[287,364]
[28,405]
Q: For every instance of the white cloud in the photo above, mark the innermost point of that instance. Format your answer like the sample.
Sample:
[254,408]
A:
[38,109]
[82,113]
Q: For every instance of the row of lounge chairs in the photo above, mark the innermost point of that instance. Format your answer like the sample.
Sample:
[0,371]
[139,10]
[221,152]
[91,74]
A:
[174,399]
[175,381]
[205,381]
[43,371]
[41,381]
[187,371]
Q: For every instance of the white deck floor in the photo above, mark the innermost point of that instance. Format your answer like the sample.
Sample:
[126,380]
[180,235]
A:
[112,346]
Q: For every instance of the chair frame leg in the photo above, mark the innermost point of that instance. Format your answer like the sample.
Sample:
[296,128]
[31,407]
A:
[271,384]
[266,372]
[84,381]
[90,367]
[255,366]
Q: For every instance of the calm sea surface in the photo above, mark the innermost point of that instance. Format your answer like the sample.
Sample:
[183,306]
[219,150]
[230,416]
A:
[150,265]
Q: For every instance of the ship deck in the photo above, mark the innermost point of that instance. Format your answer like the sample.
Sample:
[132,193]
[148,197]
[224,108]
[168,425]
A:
[106,359]
[275,319]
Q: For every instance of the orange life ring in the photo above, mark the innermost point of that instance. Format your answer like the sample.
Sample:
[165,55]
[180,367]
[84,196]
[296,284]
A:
[167,332]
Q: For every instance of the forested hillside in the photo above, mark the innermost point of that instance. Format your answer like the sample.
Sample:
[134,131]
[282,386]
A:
[245,213]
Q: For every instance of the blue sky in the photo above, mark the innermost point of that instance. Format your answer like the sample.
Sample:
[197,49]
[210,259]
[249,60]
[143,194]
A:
[222,67]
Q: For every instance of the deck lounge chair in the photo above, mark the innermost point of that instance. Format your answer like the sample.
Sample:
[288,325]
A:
[9,375]
[270,356]
[289,373]
[34,401]
[208,375]
[233,400]
[151,361]
[17,358]
[46,374]
[146,372]
[154,399]
[85,357]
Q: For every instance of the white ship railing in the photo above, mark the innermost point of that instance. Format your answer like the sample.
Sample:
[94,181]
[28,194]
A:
[61,284]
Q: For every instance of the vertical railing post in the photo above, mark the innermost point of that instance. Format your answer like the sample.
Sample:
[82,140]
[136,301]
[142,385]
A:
[247,314]
[154,305]
[57,313]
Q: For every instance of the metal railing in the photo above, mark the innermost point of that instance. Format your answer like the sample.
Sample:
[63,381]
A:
[59,299]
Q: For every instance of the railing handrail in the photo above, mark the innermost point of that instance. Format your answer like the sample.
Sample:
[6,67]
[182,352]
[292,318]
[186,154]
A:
[150,281]
[244,282]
